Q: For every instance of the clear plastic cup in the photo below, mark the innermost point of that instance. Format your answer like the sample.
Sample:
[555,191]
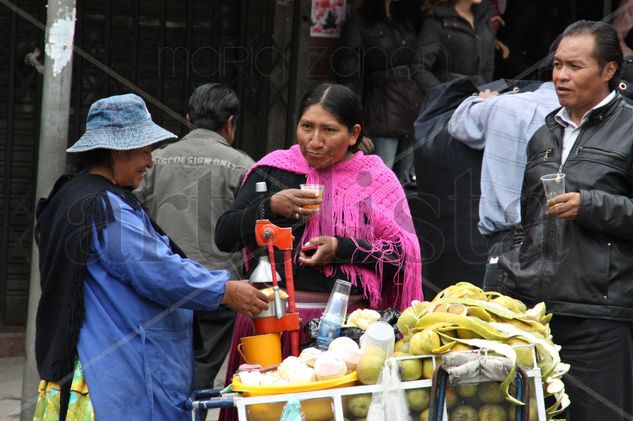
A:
[554,185]
[336,307]
[334,314]
[317,188]
[378,334]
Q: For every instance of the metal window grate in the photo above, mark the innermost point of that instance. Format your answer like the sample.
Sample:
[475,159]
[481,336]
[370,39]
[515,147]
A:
[166,48]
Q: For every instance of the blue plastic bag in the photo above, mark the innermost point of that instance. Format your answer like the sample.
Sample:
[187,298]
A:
[292,411]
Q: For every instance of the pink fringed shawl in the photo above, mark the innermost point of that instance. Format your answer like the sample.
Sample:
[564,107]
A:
[362,200]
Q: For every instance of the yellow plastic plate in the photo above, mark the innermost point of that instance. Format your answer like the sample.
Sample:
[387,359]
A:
[344,381]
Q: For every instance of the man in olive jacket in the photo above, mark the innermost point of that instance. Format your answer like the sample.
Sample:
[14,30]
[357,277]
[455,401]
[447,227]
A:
[193,182]
[577,254]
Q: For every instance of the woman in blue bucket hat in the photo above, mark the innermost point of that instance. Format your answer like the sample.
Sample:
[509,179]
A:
[114,332]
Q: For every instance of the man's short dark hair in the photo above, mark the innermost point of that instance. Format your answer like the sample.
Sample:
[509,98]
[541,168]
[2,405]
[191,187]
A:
[607,44]
[211,105]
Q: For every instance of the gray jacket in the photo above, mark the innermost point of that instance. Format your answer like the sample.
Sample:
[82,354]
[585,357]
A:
[193,182]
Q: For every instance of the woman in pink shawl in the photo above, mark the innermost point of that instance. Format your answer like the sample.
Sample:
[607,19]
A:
[363,227]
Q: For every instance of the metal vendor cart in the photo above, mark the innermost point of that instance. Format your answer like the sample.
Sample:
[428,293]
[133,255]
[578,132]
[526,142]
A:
[332,404]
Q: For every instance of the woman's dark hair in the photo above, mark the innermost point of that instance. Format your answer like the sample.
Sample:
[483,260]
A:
[606,48]
[211,105]
[82,161]
[338,100]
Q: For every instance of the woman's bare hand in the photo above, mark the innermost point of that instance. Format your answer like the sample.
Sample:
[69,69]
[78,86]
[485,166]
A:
[324,254]
[504,49]
[244,298]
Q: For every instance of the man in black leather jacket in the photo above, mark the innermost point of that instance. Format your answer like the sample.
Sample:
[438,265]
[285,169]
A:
[577,254]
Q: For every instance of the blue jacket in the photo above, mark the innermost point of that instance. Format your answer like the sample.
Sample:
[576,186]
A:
[135,343]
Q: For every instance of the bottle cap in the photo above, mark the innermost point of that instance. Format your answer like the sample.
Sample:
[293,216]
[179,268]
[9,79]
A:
[260,187]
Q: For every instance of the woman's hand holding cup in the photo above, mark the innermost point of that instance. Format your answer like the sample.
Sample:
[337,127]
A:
[294,203]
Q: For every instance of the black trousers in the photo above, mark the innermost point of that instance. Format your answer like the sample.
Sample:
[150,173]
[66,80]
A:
[600,381]
[216,329]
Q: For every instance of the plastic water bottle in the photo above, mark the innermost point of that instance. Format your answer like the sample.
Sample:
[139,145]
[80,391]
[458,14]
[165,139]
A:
[334,314]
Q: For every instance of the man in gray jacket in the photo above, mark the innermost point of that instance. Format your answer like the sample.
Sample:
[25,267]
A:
[193,182]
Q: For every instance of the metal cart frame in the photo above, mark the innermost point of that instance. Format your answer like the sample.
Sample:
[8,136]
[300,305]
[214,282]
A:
[212,398]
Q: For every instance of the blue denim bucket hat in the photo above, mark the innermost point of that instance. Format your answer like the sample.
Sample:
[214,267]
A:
[121,123]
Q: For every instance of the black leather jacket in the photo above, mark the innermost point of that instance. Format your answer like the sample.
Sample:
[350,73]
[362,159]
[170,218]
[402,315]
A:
[448,47]
[375,59]
[584,267]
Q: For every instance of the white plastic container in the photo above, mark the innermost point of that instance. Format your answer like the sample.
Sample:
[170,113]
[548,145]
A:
[381,334]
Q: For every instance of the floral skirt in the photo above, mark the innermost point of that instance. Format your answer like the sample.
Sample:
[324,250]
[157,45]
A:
[80,406]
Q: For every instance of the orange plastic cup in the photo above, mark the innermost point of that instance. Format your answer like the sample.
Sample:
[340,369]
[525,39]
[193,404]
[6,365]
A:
[317,188]
[261,349]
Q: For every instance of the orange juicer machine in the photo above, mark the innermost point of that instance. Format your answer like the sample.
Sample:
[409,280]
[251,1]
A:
[270,235]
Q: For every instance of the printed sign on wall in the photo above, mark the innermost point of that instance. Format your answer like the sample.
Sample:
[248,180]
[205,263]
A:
[327,18]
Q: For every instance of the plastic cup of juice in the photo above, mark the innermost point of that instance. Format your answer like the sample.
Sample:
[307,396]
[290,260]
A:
[553,185]
[317,188]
